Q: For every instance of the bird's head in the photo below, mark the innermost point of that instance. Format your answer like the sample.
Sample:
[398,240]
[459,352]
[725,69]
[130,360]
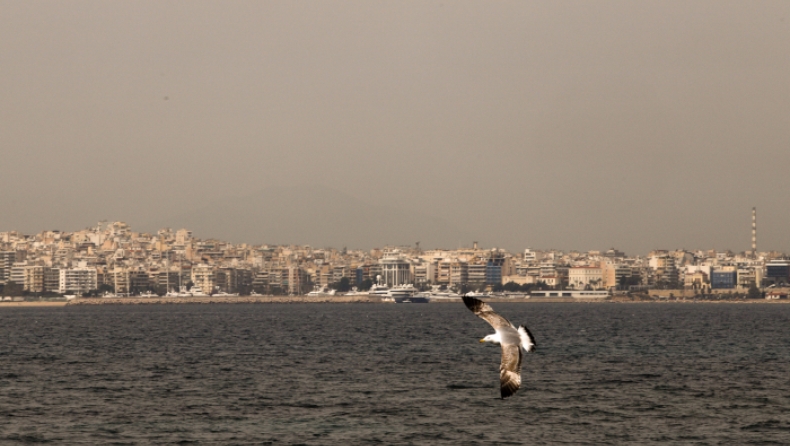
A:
[492,338]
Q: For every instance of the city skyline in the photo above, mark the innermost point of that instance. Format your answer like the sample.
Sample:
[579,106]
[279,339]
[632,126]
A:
[461,244]
[111,257]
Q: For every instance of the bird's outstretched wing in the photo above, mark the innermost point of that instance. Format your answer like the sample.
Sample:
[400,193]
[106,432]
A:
[485,312]
[510,370]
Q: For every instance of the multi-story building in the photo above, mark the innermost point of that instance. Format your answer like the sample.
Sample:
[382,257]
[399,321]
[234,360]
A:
[777,271]
[233,280]
[298,281]
[749,276]
[395,270]
[128,281]
[424,272]
[582,277]
[724,277]
[494,265]
[33,278]
[183,236]
[77,280]
[7,259]
[165,281]
[476,274]
[52,279]
[204,277]
[443,272]
[260,283]
[17,274]
[459,273]
[665,274]
[697,280]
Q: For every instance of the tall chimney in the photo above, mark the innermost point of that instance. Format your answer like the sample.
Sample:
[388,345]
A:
[754,232]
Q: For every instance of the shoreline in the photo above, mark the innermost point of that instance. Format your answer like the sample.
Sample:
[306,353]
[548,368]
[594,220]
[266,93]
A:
[346,300]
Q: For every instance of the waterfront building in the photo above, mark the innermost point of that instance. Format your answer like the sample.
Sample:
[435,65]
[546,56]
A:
[476,274]
[77,280]
[298,281]
[17,274]
[494,266]
[322,275]
[697,280]
[395,270]
[165,281]
[424,273]
[128,281]
[518,279]
[581,277]
[52,279]
[260,284]
[338,272]
[443,272]
[233,280]
[777,271]
[665,273]
[204,277]
[33,278]
[7,259]
[724,278]
[749,276]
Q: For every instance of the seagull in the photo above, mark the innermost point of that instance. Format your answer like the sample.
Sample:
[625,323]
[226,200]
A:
[511,339]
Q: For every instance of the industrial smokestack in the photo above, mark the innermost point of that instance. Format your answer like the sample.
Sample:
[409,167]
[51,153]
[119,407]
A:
[754,232]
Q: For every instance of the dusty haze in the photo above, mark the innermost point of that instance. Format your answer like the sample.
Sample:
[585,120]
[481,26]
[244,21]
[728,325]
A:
[571,125]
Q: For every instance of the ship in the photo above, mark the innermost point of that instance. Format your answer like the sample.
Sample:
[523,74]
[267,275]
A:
[406,294]
[321,291]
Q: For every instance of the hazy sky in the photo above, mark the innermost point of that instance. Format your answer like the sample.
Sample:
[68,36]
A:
[572,125]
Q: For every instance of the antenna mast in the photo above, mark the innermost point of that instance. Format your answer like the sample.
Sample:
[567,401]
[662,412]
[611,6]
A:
[754,232]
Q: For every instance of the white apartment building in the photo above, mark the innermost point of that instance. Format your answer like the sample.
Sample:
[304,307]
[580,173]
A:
[203,276]
[395,271]
[78,280]
[424,272]
[530,256]
[17,274]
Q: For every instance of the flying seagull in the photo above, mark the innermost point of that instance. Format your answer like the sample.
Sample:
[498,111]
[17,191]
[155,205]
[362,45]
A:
[511,339]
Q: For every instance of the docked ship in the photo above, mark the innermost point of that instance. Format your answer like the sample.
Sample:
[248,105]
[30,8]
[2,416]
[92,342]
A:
[195,291]
[355,292]
[322,291]
[406,294]
[378,290]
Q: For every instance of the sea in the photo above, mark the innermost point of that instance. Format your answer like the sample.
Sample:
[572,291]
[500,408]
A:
[393,374]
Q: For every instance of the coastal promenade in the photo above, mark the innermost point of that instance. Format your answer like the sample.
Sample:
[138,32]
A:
[223,300]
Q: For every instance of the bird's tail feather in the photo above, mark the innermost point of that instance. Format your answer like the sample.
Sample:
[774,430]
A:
[527,340]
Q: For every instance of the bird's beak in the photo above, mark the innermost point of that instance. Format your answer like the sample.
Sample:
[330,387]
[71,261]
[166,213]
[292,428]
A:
[482,340]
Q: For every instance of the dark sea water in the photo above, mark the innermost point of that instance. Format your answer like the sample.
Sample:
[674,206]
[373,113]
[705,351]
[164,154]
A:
[393,374]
